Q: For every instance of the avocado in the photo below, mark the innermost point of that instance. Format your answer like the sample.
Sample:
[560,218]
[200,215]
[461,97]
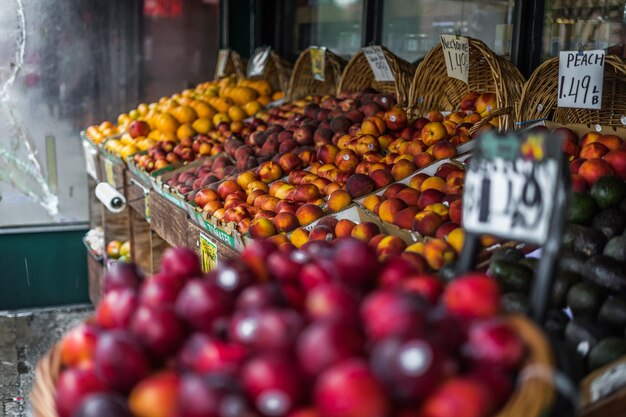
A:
[583,333]
[562,283]
[613,313]
[514,302]
[556,321]
[532,263]
[606,351]
[606,272]
[571,232]
[507,254]
[582,209]
[590,243]
[585,298]
[611,222]
[572,261]
[608,191]
[616,248]
[511,275]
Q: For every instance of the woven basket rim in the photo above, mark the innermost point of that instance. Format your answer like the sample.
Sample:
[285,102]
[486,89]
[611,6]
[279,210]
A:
[302,80]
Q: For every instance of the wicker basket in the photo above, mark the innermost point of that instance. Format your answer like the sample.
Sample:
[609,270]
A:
[432,89]
[534,394]
[539,97]
[235,64]
[358,75]
[302,82]
[277,72]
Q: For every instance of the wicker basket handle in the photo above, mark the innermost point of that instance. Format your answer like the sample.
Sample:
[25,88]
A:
[485,120]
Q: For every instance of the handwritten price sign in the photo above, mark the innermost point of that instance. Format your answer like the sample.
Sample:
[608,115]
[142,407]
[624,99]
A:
[456,55]
[222,59]
[581,75]
[258,61]
[318,62]
[378,63]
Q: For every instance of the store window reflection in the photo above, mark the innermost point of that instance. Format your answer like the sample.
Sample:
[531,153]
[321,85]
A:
[592,24]
[411,28]
[336,24]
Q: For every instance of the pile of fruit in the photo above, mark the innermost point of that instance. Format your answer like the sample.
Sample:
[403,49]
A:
[322,331]
[119,250]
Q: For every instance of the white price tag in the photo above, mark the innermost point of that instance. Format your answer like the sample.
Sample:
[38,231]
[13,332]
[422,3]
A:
[258,61]
[456,55]
[510,189]
[90,160]
[378,63]
[318,62]
[222,59]
[581,75]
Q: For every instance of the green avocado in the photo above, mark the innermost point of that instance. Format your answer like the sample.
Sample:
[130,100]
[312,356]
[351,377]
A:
[606,351]
[616,248]
[608,191]
[583,333]
[571,233]
[562,284]
[513,277]
[572,261]
[507,254]
[585,298]
[613,313]
[590,243]
[582,209]
[611,222]
[606,272]
[555,323]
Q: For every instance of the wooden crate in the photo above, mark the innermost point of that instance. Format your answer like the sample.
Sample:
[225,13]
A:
[112,170]
[158,246]
[168,221]
[137,194]
[95,271]
[209,247]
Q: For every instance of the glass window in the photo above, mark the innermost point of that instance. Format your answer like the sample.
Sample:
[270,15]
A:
[411,28]
[591,24]
[336,24]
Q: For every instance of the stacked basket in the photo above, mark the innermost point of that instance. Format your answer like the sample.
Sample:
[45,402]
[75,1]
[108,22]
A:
[303,83]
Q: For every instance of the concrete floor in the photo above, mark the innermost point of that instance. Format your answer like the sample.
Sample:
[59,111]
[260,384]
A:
[24,337]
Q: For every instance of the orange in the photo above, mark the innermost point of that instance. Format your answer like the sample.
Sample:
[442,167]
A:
[128,150]
[252,108]
[220,117]
[155,134]
[264,100]
[277,95]
[105,125]
[236,114]
[167,123]
[145,144]
[243,95]
[167,137]
[433,182]
[185,131]
[263,87]
[202,125]
[184,114]
[203,109]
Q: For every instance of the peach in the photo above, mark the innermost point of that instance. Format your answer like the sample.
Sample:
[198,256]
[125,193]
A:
[439,209]
[382,177]
[78,345]
[442,150]
[306,156]
[373,243]
[405,217]
[279,240]
[365,231]
[261,228]
[426,223]
[612,142]
[393,190]
[574,166]
[305,193]
[252,195]
[269,203]
[286,222]
[359,185]
[299,237]
[428,197]
[377,166]
[314,167]
[270,171]
[227,187]
[417,248]
[395,118]
[365,144]
[455,238]
[384,141]
[371,201]
[435,183]
[402,169]
[344,141]
[327,153]
[256,185]
[264,214]
[423,159]
[321,184]
[308,213]
[390,158]
[450,127]
[455,117]
[437,253]
[219,213]
[346,160]
[328,221]
[455,211]
[468,101]
[444,230]
[454,187]
[589,138]
[458,173]
[283,191]
[205,195]
[373,157]
[579,185]
[339,200]
[321,233]
[409,196]
[390,246]
[617,161]
[331,187]
[246,178]
[592,169]
[486,103]
[415,147]
[403,157]
[273,188]
[433,116]
[289,162]
[417,180]
[344,228]
[434,132]
[389,208]
[593,150]
[156,395]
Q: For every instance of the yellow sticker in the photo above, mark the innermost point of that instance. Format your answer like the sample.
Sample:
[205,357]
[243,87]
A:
[147,206]
[208,253]
[108,170]
[318,58]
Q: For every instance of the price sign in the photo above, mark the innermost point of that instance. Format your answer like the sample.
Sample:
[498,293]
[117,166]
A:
[318,62]
[208,253]
[222,59]
[511,187]
[456,55]
[378,63]
[108,171]
[581,75]
[258,61]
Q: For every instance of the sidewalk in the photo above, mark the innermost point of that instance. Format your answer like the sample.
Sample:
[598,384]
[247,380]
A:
[24,337]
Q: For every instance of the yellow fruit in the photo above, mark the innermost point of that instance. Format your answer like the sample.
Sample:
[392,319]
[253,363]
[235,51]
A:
[236,114]
[185,131]
[221,104]
[123,119]
[113,249]
[128,150]
[167,123]
[184,114]
[143,109]
[134,114]
[203,109]
[145,144]
[125,249]
[220,117]
[154,134]
[263,87]
[202,125]
[243,95]
[277,95]
[127,139]
[112,145]
[168,137]
[252,108]
[264,100]
[455,239]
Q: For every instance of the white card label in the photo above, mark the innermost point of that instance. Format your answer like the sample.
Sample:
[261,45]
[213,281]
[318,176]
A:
[581,75]
[258,61]
[378,63]
[222,59]
[456,55]
[318,62]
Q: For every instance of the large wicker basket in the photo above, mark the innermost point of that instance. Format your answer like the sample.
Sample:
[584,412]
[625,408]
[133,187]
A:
[302,82]
[358,75]
[540,96]
[533,396]
[432,89]
[277,72]
[235,64]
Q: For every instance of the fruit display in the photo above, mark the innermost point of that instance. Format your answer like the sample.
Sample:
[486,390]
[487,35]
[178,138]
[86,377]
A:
[325,330]
[94,239]
[106,129]
[118,250]
[202,174]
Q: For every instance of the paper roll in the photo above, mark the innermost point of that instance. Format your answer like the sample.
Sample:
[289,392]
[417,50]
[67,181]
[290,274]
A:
[110,197]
